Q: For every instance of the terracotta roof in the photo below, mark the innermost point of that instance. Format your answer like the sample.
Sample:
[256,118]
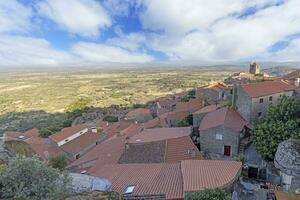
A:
[267,88]
[43,147]
[228,117]
[191,106]
[11,135]
[117,127]
[67,132]
[207,109]
[293,75]
[159,134]
[181,148]
[108,152]
[131,130]
[170,179]
[217,86]
[138,111]
[85,140]
[208,174]
[153,123]
[147,179]
[177,115]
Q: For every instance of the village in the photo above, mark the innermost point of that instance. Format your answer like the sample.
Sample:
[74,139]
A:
[180,144]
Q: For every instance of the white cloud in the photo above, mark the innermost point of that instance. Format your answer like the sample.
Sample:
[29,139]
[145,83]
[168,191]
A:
[21,51]
[99,53]
[82,17]
[211,31]
[14,17]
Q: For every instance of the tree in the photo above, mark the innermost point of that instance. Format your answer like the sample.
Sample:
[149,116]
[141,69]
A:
[189,119]
[281,122]
[58,162]
[31,178]
[209,194]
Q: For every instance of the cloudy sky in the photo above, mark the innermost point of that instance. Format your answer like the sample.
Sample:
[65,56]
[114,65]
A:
[70,32]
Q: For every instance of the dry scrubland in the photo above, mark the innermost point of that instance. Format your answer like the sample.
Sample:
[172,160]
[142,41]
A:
[53,91]
[39,100]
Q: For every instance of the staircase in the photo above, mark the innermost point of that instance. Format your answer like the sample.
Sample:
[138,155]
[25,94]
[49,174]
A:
[243,143]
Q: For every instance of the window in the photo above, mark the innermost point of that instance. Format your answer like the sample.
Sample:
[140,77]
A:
[77,156]
[261,100]
[270,98]
[259,114]
[66,140]
[219,137]
[129,189]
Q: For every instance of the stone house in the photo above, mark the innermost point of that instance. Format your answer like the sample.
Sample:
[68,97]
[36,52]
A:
[253,100]
[294,78]
[221,132]
[214,93]
[287,160]
[199,114]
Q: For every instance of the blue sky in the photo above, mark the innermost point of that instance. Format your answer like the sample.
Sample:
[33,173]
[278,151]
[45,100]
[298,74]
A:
[116,32]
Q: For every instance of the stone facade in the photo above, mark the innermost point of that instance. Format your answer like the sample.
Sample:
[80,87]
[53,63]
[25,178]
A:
[254,68]
[252,109]
[197,118]
[209,142]
[287,160]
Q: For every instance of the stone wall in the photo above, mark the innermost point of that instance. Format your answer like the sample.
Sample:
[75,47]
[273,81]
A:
[210,144]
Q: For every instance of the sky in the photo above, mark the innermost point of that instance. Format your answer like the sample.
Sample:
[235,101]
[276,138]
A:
[100,32]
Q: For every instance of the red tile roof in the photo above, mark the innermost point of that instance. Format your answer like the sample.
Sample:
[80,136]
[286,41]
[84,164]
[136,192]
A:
[267,88]
[228,117]
[85,140]
[170,179]
[160,134]
[153,123]
[67,132]
[217,86]
[182,148]
[10,135]
[116,128]
[207,109]
[191,106]
[42,147]
[132,130]
[108,152]
[177,115]
[148,179]
[208,174]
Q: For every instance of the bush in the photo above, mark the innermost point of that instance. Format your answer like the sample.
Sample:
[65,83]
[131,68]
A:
[209,194]
[31,178]
[183,123]
[79,104]
[58,162]
[281,122]
[110,118]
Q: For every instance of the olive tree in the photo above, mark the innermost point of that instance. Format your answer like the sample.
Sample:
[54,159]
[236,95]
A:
[29,177]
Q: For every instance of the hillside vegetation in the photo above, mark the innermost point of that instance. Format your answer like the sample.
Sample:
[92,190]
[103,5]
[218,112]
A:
[36,99]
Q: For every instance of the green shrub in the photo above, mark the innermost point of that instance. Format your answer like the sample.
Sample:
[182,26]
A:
[31,178]
[110,118]
[58,162]
[209,194]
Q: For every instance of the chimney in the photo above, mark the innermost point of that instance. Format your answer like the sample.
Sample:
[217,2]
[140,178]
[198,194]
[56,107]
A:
[94,130]
[297,82]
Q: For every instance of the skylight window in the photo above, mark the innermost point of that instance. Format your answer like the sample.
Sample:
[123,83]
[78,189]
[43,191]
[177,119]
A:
[129,189]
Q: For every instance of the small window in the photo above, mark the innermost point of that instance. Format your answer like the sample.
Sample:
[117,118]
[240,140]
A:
[231,91]
[77,156]
[261,100]
[270,98]
[259,114]
[219,137]
[66,140]
[129,190]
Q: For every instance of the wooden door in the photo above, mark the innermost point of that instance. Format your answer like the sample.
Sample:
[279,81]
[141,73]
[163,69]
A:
[227,150]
